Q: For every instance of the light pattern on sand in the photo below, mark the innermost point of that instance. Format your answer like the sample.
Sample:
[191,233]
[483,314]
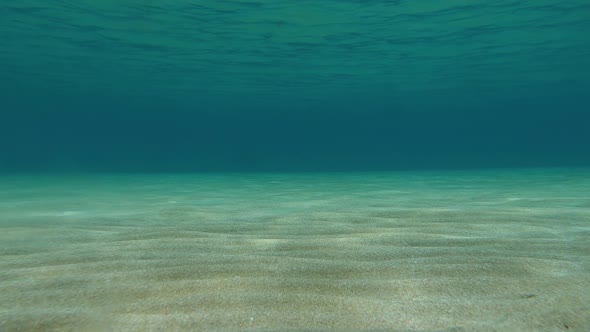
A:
[458,250]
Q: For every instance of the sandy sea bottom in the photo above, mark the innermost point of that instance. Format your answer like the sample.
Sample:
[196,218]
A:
[457,251]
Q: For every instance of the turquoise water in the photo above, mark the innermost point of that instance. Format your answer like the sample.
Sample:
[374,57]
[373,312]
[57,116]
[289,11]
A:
[294,165]
[293,85]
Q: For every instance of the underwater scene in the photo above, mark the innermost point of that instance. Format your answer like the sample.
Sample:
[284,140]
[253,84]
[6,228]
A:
[258,165]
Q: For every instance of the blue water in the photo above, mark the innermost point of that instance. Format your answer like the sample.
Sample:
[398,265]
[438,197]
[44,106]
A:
[293,85]
[286,165]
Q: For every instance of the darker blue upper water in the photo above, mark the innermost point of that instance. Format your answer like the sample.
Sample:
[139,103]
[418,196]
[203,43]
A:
[293,85]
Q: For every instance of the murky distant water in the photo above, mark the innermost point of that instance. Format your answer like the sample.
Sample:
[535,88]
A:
[293,85]
[294,165]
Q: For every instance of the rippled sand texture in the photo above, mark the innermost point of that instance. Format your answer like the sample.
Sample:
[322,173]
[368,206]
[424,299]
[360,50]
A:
[456,251]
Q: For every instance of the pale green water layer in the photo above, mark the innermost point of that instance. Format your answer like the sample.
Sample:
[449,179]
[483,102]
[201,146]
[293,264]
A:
[210,48]
[506,250]
[293,85]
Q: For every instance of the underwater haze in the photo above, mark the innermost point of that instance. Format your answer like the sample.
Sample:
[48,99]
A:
[293,85]
[294,165]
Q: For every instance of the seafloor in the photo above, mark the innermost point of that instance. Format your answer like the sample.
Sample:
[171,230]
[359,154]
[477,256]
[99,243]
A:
[488,250]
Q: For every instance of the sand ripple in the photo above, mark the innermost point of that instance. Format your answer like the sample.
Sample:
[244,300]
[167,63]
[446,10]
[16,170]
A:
[251,262]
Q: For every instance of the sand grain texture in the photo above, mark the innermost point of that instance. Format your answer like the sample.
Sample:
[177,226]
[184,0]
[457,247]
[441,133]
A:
[455,251]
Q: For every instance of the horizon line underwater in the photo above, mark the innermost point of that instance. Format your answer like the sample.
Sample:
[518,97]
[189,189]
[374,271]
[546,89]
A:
[230,165]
